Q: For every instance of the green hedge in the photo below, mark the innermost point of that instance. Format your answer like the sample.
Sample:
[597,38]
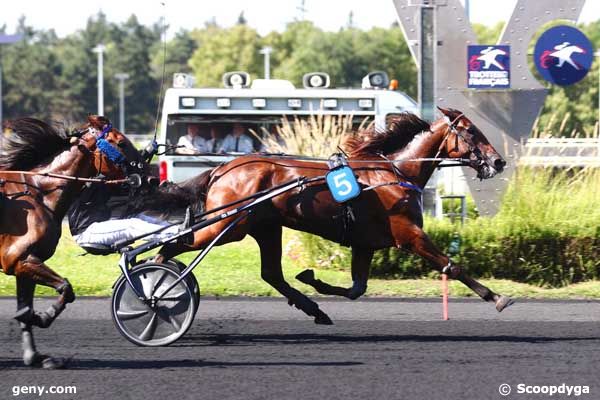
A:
[547,233]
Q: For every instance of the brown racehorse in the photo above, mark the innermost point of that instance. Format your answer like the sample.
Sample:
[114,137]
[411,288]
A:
[389,215]
[32,208]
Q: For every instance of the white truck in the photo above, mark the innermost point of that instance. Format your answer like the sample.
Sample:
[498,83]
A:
[261,104]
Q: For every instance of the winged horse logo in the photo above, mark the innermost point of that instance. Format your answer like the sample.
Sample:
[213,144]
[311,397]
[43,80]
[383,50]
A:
[488,56]
[564,53]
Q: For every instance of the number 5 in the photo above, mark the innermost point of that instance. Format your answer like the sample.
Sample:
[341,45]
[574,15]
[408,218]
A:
[340,182]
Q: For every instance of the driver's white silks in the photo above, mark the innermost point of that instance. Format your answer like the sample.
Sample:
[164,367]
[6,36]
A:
[114,230]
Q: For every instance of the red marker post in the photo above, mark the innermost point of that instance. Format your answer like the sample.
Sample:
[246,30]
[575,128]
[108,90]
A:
[445,297]
[453,250]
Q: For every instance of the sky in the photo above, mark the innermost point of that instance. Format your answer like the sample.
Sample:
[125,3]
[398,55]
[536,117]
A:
[67,16]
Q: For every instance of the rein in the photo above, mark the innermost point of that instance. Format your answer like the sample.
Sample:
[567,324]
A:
[457,161]
[69,177]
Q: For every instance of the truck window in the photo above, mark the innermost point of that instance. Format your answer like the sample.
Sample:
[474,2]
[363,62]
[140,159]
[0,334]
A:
[214,134]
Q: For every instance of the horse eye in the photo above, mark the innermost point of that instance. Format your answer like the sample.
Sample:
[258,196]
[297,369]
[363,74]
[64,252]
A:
[121,144]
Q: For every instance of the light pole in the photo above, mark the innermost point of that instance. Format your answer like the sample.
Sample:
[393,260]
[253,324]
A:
[5,39]
[121,78]
[598,54]
[99,49]
[266,51]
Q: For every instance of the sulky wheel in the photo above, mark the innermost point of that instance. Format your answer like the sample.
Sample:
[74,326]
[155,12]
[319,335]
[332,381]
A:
[152,321]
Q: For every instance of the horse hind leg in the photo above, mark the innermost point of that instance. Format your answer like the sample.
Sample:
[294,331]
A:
[361,261]
[269,242]
[25,316]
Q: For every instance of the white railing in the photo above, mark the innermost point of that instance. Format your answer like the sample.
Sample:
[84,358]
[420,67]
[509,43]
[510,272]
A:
[561,152]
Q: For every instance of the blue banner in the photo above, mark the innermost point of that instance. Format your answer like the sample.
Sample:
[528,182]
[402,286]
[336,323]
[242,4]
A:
[563,55]
[488,67]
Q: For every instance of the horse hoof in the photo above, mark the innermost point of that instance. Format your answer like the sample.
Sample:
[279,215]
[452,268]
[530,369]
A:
[503,302]
[307,276]
[37,360]
[66,292]
[24,315]
[322,319]
[54,363]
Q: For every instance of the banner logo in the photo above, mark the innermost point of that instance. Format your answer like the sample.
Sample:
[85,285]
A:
[488,67]
[563,55]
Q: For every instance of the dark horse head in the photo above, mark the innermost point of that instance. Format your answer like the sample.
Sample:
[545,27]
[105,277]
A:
[34,143]
[464,140]
[113,149]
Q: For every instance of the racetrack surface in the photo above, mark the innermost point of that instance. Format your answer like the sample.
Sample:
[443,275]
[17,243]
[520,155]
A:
[263,349]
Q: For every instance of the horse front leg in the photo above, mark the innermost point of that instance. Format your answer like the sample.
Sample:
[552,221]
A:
[421,244]
[29,272]
[361,261]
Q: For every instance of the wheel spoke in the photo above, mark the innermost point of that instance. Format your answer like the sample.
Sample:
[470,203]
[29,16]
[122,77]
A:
[147,284]
[127,315]
[148,332]
[159,282]
[174,297]
[173,294]
[174,323]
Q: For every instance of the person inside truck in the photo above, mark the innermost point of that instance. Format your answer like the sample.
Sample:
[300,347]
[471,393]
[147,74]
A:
[272,140]
[192,142]
[214,143]
[237,141]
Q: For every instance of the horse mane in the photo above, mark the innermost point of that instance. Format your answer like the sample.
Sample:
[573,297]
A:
[30,144]
[401,130]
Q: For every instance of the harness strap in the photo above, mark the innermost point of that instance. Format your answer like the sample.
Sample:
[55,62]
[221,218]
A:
[399,183]
[452,128]
[107,128]
[401,179]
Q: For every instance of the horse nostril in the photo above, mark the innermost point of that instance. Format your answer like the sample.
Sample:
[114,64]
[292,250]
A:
[499,164]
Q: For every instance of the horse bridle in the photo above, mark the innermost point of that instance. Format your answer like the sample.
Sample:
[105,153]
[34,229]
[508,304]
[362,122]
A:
[480,158]
[132,168]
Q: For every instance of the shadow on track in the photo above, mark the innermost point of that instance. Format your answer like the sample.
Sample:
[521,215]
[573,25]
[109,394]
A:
[91,364]
[294,339]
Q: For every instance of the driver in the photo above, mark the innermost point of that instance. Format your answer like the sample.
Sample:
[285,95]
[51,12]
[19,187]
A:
[103,214]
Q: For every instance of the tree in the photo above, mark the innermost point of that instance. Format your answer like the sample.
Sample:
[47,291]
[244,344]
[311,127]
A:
[179,52]
[386,49]
[77,85]
[286,60]
[133,44]
[221,50]
[488,34]
[30,70]
[347,56]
